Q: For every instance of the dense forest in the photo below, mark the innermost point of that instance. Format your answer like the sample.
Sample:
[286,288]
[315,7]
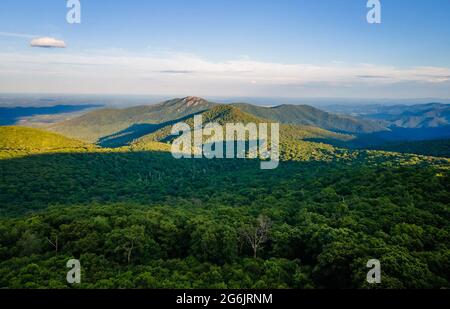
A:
[138,218]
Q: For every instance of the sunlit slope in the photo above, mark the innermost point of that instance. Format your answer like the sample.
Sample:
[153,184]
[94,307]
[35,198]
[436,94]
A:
[29,140]
[294,140]
[119,127]
[100,124]
[311,116]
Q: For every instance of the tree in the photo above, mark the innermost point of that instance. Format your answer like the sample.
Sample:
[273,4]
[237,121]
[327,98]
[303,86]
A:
[54,242]
[257,235]
[126,241]
[29,243]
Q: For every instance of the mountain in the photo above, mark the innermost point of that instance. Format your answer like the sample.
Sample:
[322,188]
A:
[308,115]
[137,126]
[364,126]
[118,127]
[94,126]
[429,115]
[407,124]
[291,136]
[221,114]
[28,141]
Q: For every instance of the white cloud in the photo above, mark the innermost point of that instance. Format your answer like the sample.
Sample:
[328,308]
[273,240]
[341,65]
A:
[47,43]
[122,72]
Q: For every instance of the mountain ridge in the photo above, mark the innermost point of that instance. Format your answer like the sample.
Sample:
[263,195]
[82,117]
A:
[309,115]
[97,125]
[223,114]
[415,116]
[104,122]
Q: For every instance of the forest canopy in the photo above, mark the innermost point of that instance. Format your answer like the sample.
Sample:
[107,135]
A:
[141,219]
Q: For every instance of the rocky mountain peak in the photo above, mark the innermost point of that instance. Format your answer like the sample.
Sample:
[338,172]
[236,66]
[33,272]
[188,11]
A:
[193,101]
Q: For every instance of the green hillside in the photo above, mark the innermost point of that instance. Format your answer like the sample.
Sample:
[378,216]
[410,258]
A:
[308,115]
[224,114]
[294,140]
[221,114]
[17,140]
[119,127]
[105,123]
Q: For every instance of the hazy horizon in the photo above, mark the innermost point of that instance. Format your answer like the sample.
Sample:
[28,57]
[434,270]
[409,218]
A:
[128,100]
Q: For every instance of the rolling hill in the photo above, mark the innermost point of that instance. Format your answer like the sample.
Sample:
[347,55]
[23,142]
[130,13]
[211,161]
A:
[94,126]
[301,143]
[308,115]
[224,114]
[118,127]
[20,140]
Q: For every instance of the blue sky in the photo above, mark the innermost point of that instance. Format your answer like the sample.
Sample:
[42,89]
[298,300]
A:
[294,48]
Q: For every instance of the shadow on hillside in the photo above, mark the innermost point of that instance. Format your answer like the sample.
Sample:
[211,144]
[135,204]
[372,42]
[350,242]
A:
[400,134]
[128,135]
[381,140]
[136,131]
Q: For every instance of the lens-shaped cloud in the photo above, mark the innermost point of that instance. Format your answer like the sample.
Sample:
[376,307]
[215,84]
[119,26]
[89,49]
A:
[47,43]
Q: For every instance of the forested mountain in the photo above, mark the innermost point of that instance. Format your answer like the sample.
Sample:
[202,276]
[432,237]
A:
[223,114]
[118,127]
[220,114]
[94,126]
[308,115]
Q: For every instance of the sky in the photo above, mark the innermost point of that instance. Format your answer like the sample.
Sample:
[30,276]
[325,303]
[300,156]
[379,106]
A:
[254,48]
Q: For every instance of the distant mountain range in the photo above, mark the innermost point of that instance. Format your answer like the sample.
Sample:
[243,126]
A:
[430,115]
